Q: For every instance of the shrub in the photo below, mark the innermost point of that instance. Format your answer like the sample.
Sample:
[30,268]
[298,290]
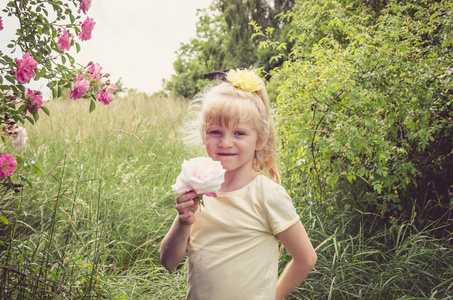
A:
[366,105]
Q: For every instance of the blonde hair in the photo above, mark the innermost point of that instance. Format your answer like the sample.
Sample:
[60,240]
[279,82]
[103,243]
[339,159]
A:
[222,103]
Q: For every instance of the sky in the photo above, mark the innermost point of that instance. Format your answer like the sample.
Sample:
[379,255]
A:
[135,40]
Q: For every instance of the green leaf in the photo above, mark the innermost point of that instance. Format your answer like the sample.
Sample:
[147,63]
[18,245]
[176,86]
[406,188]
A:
[10,79]
[54,93]
[30,184]
[36,116]
[46,110]
[18,118]
[37,169]
[30,119]
[4,220]
[92,106]
[22,108]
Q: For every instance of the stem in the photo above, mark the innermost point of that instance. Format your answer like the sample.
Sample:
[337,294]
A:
[313,140]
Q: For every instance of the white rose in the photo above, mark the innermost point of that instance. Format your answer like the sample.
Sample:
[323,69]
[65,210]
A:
[20,138]
[201,174]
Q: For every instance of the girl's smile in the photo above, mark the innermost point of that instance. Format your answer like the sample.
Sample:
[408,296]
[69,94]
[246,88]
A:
[233,145]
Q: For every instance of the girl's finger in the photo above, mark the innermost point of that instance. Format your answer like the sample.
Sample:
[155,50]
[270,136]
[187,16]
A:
[183,205]
[185,197]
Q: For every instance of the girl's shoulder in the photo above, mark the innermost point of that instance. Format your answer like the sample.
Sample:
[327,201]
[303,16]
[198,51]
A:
[267,185]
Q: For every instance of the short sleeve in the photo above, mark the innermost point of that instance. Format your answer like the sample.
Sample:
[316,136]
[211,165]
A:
[280,211]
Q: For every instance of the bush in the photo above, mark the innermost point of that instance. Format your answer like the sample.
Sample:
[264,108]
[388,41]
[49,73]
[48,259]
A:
[366,106]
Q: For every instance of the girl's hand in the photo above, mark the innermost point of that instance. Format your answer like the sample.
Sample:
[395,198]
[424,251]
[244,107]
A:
[186,207]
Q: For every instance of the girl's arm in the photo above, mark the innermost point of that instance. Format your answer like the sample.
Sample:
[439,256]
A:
[296,242]
[174,244]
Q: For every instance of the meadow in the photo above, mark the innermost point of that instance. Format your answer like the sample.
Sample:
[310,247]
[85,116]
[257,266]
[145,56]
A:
[90,226]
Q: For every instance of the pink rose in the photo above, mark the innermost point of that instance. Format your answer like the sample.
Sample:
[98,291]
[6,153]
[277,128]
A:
[64,42]
[105,96]
[87,27]
[84,6]
[80,87]
[36,98]
[21,138]
[95,70]
[7,165]
[1,23]
[25,68]
[201,174]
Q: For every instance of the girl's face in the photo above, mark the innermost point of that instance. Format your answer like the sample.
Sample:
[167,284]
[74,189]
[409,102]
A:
[233,145]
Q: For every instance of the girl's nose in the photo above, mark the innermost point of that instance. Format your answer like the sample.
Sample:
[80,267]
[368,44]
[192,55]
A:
[226,142]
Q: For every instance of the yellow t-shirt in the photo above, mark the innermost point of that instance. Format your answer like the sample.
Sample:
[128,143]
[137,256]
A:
[233,251]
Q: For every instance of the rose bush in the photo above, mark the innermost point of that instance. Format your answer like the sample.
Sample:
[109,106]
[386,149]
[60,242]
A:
[46,30]
[201,174]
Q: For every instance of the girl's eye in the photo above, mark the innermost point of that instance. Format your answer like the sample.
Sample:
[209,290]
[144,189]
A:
[214,132]
[239,133]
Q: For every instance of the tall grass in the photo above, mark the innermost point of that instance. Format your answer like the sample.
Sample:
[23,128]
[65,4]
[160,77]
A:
[91,225]
[92,222]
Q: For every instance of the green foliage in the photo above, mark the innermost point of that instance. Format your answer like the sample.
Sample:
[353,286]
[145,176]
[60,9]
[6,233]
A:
[366,104]
[224,41]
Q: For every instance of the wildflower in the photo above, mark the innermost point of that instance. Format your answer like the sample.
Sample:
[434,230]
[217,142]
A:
[87,27]
[64,42]
[35,98]
[84,6]
[7,165]
[25,68]
[95,70]
[1,23]
[81,87]
[105,96]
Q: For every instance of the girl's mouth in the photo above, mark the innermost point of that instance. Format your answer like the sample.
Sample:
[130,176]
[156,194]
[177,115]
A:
[226,154]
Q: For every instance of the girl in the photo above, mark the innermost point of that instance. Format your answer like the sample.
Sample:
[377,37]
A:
[233,240]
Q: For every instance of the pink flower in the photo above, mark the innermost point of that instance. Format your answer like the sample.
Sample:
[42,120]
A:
[81,87]
[95,70]
[7,165]
[65,41]
[36,98]
[1,23]
[25,68]
[105,96]
[84,6]
[87,27]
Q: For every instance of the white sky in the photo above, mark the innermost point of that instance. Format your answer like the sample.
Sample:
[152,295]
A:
[134,40]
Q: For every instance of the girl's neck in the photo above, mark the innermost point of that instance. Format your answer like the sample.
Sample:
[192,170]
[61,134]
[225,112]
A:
[233,182]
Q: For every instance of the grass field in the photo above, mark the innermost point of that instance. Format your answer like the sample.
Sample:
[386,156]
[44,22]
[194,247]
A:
[96,213]
[91,224]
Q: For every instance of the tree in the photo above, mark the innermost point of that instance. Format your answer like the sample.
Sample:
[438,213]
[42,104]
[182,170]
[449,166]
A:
[223,41]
